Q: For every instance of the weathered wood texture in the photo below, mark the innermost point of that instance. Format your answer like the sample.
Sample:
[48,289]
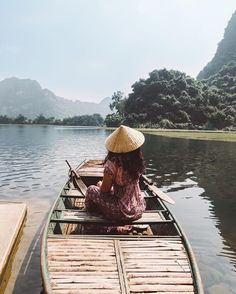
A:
[84,216]
[158,265]
[92,169]
[113,264]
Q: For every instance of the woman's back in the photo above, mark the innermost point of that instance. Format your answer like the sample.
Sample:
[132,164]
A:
[126,190]
[118,196]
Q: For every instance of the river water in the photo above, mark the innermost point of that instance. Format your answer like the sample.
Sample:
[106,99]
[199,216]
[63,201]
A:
[199,175]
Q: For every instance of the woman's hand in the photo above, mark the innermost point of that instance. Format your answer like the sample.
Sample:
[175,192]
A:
[99,184]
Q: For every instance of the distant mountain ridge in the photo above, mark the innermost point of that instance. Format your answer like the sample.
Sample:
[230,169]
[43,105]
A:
[27,97]
[226,51]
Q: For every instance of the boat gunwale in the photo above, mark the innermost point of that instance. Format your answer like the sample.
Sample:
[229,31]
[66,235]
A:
[43,254]
[198,286]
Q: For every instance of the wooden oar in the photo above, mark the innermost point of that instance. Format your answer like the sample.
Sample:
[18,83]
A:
[77,179]
[72,170]
[163,196]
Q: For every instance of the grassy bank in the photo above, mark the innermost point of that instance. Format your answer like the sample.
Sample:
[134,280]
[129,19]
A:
[193,134]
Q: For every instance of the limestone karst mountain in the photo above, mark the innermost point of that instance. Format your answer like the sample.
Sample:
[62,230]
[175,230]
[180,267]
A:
[27,97]
[226,51]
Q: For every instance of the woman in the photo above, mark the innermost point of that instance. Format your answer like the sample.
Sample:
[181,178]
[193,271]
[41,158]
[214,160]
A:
[118,196]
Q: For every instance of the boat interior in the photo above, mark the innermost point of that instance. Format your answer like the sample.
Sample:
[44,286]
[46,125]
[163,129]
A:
[70,217]
[80,256]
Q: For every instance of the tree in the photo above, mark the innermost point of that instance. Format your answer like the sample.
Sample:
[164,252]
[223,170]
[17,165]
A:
[171,99]
[113,120]
[41,119]
[118,103]
[84,120]
[5,119]
[20,119]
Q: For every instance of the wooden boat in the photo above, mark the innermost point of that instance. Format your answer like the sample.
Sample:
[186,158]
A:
[155,257]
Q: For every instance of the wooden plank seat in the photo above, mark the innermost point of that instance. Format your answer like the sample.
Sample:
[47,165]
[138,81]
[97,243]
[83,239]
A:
[72,194]
[91,173]
[91,170]
[75,193]
[76,217]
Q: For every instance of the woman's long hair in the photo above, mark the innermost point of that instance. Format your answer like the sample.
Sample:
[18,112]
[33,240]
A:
[131,162]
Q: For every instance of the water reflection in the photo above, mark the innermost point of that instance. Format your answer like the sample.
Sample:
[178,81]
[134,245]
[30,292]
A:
[199,175]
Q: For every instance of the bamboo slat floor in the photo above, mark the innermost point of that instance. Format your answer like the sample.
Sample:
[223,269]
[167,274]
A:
[86,265]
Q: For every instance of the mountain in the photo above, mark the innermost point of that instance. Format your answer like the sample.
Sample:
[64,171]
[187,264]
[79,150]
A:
[226,51]
[26,97]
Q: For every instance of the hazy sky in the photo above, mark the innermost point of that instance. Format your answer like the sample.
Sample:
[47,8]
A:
[88,49]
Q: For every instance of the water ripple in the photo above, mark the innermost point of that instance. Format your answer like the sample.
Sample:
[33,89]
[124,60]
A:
[33,170]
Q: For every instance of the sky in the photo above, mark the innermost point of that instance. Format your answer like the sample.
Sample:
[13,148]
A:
[88,49]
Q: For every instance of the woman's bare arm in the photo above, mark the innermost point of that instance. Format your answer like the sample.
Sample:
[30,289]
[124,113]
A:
[106,184]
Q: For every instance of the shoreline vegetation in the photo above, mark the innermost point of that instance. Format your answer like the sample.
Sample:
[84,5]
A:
[224,136]
[207,135]
[170,99]
[79,120]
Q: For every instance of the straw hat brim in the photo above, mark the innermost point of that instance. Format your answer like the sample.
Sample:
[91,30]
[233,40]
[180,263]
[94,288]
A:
[124,139]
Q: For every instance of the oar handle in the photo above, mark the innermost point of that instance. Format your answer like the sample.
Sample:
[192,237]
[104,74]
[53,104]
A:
[72,170]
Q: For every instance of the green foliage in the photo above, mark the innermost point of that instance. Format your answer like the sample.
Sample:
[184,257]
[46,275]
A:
[171,99]
[225,79]
[118,102]
[167,98]
[20,119]
[118,105]
[83,120]
[166,124]
[113,120]
[5,119]
[41,119]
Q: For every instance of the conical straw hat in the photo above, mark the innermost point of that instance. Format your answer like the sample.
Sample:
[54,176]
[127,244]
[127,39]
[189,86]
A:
[124,139]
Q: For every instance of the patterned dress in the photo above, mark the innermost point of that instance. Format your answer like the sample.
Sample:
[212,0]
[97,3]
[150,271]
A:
[123,202]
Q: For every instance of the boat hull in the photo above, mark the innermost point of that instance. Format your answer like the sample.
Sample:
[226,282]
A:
[154,257]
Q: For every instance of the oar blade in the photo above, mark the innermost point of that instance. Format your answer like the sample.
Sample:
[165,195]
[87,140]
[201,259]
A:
[161,194]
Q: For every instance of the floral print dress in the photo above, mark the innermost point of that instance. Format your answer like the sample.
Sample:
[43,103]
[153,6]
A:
[123,202]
